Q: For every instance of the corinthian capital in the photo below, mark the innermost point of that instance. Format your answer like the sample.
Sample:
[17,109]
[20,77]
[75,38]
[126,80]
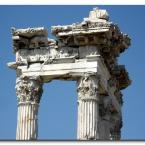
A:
[88,87]
[29,89]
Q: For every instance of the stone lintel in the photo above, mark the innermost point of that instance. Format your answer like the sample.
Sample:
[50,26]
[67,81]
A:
[62,70]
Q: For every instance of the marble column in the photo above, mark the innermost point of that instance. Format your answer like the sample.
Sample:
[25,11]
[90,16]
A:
[29,91]
[88,111]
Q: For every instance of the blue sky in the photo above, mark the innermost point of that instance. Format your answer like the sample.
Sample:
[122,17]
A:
[58,107]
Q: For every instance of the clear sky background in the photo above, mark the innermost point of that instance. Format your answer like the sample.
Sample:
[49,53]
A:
[58,107]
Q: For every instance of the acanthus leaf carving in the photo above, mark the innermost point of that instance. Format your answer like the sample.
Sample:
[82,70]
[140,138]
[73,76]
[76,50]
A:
[88,87]
[28,89]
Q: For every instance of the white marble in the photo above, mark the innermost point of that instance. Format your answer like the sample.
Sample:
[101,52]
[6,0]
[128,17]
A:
[85,52]
[29,91]
[27,125]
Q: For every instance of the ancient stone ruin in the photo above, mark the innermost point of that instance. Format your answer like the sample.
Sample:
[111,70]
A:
[84,52]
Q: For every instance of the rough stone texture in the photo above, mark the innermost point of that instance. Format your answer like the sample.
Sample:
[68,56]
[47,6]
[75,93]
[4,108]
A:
[85,52]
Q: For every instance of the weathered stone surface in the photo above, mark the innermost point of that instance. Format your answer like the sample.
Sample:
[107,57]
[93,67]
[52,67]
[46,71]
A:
[30,32]
[29,38]
[122,76]
[115,131]
[88,88]
[29,89]
[27,122]
[85,52]
[98,14]
[88,109]
[29,92]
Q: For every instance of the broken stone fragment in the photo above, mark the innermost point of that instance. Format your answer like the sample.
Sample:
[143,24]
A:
[12,65]
[30,32]
[122,76]
[98,15]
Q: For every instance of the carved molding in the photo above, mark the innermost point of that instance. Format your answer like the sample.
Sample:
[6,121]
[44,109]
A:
[28,89]
[45,55]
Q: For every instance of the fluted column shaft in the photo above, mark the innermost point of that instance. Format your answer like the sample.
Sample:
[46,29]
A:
[29,91]
[88,111]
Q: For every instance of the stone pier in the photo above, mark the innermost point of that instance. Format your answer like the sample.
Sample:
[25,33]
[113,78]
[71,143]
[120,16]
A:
[85,52]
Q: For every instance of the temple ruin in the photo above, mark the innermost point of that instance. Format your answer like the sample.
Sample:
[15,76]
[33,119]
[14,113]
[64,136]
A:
[84,52]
